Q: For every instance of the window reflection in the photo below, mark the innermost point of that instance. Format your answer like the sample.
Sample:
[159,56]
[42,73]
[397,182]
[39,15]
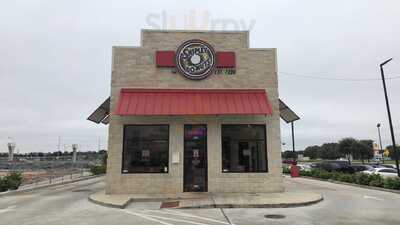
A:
[243,148]
[145,149]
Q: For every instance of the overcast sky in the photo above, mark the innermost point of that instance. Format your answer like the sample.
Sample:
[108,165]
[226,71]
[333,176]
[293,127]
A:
[55,59]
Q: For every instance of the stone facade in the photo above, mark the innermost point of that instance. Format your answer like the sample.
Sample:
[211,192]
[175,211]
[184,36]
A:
[134,67]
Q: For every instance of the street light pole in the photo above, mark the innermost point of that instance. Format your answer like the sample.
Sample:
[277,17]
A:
[380,141]
[293,148]
[293,145]
[390,116]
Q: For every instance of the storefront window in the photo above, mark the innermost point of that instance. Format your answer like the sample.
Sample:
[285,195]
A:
[145,149]
[244,149]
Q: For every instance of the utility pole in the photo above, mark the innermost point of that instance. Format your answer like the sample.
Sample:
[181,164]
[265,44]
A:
[396,154]
[293,144]
[59,143]
[11,147]
[293,148]
[74,153]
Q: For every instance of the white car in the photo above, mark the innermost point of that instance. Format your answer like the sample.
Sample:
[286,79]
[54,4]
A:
[302,167]
[392,166]
[384,172]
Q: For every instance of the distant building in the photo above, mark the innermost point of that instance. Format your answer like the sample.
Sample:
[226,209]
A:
[377,151]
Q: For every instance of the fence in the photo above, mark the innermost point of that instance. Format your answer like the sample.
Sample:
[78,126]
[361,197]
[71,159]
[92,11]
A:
[44,170]
[41,180]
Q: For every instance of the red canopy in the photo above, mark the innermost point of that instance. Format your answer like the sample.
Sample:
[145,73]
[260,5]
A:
[152,102]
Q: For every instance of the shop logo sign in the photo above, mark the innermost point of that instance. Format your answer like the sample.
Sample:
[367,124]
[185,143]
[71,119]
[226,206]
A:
[195,59]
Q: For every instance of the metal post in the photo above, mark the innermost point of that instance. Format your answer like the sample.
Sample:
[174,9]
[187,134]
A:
[380,141]
[293,137]
[11,148]
[59,144]
[74,153]
[390,117]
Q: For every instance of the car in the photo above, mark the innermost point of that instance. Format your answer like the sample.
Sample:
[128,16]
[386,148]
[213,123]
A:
[374,165]
[392,166]
[384,172]
[358,168]
[314,165]
[303,167]
[287,161]
[335,165]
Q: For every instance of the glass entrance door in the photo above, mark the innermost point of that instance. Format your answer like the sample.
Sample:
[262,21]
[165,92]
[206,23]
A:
[195,158]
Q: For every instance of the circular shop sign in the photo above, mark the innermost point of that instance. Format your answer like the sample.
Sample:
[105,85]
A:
[195,59]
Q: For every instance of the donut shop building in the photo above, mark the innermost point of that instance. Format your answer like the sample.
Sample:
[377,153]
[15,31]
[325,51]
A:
[192,111]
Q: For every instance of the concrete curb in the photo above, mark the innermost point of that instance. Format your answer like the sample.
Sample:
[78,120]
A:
[354,185]
[109,205]
[283,205]
[121,202]
[7,193]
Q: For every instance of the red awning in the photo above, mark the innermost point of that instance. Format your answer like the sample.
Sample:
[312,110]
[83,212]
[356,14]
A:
[153,102]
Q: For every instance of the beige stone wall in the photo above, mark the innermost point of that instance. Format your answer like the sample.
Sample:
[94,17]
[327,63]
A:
[134,67]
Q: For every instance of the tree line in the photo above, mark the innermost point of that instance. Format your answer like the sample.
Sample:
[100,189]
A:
[346,148]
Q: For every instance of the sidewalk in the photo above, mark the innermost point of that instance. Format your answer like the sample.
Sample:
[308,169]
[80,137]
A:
[211,200]
[54,182]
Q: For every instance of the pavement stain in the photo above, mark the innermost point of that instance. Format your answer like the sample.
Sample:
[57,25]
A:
[23,193]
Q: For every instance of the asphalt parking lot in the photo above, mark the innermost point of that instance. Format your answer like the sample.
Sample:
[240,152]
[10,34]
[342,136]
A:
[68,204]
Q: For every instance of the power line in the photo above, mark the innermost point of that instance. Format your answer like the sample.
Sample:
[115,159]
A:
[335,79]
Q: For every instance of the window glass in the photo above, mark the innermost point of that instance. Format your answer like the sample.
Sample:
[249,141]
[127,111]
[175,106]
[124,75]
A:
[145,149]
[244,148]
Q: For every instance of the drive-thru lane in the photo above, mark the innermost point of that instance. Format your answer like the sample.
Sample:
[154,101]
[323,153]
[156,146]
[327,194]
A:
[343,204]
[68,204]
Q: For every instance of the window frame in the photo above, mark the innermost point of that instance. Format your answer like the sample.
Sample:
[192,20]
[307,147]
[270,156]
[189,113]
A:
[266,148]
[125,126]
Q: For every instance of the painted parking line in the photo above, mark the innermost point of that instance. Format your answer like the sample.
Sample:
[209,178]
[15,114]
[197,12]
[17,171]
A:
[373,197]
[180,217]
[9,208]
[178,220]
[146,217]
[178,213]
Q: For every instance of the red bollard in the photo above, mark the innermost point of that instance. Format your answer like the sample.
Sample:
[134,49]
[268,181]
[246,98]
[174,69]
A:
[294,170]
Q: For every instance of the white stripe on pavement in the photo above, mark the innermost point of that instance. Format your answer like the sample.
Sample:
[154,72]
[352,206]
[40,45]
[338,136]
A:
[373,197]
[177,220]
[161,219]
[146,217]
[9,208]
[177,213]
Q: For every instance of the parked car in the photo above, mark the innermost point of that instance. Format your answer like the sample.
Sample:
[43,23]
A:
[336,165]
[392,166]
[376,165]
[358,168]
[287,161]
[384,172]
[314,165]
[303,167]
